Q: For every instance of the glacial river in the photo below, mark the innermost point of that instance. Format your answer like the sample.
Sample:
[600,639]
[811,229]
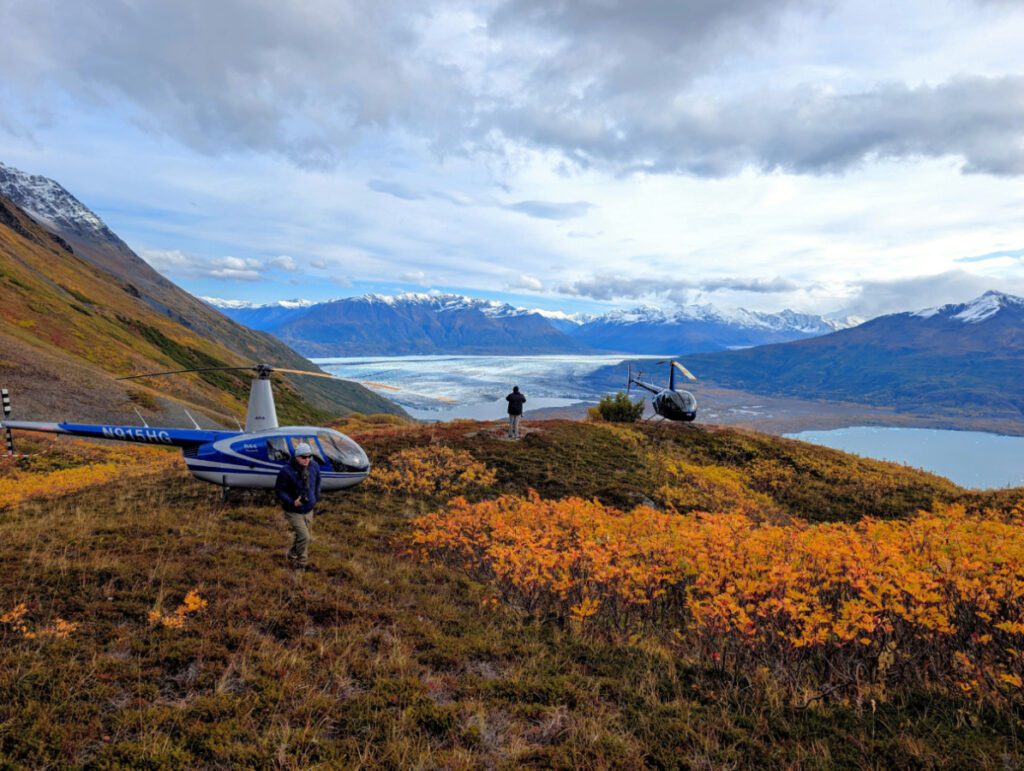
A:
[476,384]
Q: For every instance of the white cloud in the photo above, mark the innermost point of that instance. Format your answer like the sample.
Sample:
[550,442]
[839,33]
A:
[617,83]
[284,262]
[745,151]
[531,283]
[175,262]
[416,277]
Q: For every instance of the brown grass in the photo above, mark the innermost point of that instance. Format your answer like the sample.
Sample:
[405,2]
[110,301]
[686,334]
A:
[380,661]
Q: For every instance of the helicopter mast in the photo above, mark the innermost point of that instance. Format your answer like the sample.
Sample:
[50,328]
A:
[262,413]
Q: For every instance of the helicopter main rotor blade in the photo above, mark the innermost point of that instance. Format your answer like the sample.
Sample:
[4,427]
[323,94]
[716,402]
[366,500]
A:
[684,370]
[180,371]
[307,372]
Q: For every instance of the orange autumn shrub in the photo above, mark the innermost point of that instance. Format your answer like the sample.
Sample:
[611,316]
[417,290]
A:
[192,604]
[933,601]
[435,471]
[15,620]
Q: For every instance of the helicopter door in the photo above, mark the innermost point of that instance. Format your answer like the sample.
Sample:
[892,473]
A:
[318,454]
[277,449]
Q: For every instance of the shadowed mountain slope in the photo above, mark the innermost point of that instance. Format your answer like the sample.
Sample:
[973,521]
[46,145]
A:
[959,359]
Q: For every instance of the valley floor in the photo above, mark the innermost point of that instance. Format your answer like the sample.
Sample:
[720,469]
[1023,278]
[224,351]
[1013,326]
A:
[787,415]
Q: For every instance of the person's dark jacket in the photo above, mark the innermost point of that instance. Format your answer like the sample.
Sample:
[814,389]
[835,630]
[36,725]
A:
[289,487]
[515,403]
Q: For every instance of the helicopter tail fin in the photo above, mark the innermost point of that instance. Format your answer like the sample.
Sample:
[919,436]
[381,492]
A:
[629,377]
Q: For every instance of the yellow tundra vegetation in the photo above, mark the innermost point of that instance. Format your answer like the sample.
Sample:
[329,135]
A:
[933,600]
[90,465]
[433,471]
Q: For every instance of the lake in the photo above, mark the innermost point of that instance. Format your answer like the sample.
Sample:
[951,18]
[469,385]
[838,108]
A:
[477,384]
[969,458]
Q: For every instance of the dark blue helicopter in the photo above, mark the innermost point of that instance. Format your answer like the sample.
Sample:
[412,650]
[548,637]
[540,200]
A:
[668,402]
[248,459]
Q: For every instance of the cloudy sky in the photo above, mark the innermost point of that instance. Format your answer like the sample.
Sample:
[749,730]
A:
[854,156]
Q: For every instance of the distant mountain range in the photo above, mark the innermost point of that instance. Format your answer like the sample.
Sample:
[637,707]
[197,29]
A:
[964,359]
[695,329]
[418,323]
[80,308]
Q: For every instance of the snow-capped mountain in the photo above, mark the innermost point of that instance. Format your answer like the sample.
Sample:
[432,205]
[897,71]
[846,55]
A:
[50,204]
[977,310]
[431,322]
[696,328]
[407,323]
[217,302]
[965,358]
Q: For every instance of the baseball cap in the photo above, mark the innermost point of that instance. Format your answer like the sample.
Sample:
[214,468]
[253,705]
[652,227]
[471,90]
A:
[303,449]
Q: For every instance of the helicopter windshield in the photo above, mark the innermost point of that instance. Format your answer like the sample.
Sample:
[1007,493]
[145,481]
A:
[342,452]
[689,402]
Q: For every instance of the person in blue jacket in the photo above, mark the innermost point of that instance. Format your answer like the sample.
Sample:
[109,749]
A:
[298,490]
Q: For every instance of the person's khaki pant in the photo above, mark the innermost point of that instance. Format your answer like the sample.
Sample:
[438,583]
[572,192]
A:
[513,426]
[301,525]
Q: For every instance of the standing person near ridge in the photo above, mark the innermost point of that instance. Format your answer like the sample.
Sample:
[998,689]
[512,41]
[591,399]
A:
[515,411]
[298,490]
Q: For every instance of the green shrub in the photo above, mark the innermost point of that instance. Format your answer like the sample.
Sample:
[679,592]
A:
[618,409]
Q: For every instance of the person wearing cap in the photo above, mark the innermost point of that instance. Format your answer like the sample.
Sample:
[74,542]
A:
[298,490]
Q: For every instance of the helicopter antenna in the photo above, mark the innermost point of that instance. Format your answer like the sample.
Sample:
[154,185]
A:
[193,420]
[140,417]
[237,423]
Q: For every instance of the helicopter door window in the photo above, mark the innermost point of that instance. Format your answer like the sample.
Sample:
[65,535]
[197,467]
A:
[311,441]
[277,449]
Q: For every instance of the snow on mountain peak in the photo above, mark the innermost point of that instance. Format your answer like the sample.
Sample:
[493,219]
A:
[977,310]
[49,203]
[738,317]
[218,302]
[442,303]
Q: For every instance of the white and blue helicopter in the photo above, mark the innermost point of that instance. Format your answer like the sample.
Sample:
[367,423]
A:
[248,459]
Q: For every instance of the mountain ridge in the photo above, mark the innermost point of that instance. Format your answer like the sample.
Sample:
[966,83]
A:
[71,270]
[408,323]
[964,358]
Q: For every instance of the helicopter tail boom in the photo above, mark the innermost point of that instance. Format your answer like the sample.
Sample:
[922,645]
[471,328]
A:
[169,437]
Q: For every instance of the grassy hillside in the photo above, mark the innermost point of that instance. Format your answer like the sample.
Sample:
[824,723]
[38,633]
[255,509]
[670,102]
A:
[67,327]
[144,625]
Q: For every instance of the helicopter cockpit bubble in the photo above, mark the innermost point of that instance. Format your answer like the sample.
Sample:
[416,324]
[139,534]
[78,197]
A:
[342,452]
[689,400]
